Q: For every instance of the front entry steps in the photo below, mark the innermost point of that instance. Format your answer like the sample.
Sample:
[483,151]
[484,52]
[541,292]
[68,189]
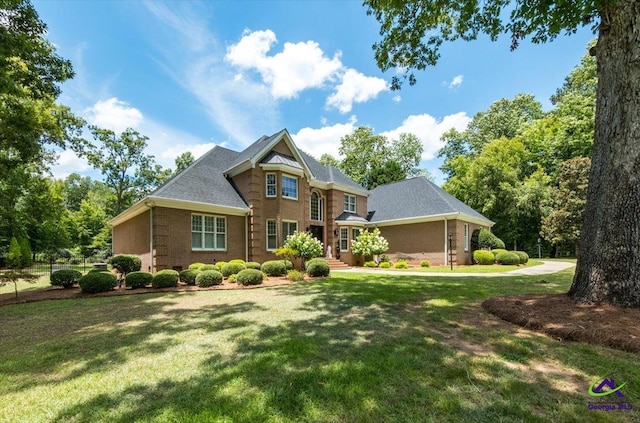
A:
[335,264]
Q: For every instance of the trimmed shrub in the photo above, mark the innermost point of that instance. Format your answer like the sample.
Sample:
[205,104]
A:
[126,263]
[96,270]
[238,261]
[195,266]
[219,265]
[310,262]
[208,278]
[524,257]
[209,267]
[369,264]
[249,277]
[425,263]
[253,265]
[274,268]
[318,267]
[497,251]
[401,265]
[488,240]
[65,278]
[295,275]
[189,276]
[384,265]
[507,258]
[232,269]
[288,264]
[95,282]
[138,279]
[231,279]
[165,279]
[483,257]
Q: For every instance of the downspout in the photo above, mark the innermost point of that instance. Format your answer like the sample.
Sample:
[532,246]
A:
[246,237]
[150,237]
[446,248]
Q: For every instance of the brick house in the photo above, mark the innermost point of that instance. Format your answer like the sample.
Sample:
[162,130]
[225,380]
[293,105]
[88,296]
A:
[230,204]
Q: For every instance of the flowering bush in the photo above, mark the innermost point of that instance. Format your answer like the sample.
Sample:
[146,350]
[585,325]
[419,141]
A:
[369,244]
[305,245]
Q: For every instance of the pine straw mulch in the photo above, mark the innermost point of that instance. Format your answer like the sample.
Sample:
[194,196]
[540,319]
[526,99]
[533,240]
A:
[558,316]
[59,293]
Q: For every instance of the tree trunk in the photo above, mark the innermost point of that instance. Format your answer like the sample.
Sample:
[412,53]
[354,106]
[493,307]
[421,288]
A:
[608,269]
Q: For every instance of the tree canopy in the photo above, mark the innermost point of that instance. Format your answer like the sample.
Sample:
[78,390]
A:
[412,32]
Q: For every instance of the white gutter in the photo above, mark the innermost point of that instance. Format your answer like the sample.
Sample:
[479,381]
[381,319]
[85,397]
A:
[246,238]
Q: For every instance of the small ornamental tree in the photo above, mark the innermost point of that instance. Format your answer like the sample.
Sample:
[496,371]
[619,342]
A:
[14,257]
[305,244]
[369,244]
[26,256]
[13,276]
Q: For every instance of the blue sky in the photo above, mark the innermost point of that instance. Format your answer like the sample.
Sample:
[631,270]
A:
[193,75]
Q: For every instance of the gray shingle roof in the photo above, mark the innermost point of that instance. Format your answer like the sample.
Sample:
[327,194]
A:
[253,149]
[204,181]
[416,197]
[328,173]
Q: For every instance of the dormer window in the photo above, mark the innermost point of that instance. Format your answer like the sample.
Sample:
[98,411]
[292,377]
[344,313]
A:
[289,187]
[272,187]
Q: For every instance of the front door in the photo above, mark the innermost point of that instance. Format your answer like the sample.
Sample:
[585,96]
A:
[317,232]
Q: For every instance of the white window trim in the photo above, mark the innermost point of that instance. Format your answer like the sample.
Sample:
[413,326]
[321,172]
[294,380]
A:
[346,239]
[355,203]
[266,184]
[215,233]
[287,221]
[352,233]
[282,187]
[320,204]
[276,234]
[466,237]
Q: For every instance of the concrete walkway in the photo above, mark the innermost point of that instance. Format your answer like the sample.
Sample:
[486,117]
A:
[546,268]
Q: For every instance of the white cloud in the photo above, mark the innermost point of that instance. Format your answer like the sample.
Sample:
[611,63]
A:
[397,98]
[68,162]
[113,114]
[355,88]
[317,141]
[165,143]
[429,130]
[298,67]
[456,81]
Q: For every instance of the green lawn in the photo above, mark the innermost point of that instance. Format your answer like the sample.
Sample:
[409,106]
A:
[496,268]
[41,282]
[347,349]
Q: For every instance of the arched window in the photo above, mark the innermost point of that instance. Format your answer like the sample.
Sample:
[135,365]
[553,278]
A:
[316,206]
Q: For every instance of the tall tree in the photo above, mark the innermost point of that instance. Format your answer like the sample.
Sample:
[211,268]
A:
[504,118]
[328,160]
[183,161]
[30,76]
[608,269]
[371,159]
[128,171]
[563,224]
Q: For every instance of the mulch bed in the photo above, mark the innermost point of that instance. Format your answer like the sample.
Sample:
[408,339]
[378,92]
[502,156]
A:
[59,293]
[558,316]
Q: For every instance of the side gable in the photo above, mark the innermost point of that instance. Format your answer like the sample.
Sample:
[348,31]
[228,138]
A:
[200,187]
[417,199]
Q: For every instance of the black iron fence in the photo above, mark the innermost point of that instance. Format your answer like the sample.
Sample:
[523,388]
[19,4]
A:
[45,264]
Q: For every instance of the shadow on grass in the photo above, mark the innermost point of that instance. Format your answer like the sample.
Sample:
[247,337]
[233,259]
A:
[103,333]
[354,351]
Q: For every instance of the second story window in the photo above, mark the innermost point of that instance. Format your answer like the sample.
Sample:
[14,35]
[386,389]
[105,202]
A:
[316,206]
[289,187]
[350,203]
[272,188]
